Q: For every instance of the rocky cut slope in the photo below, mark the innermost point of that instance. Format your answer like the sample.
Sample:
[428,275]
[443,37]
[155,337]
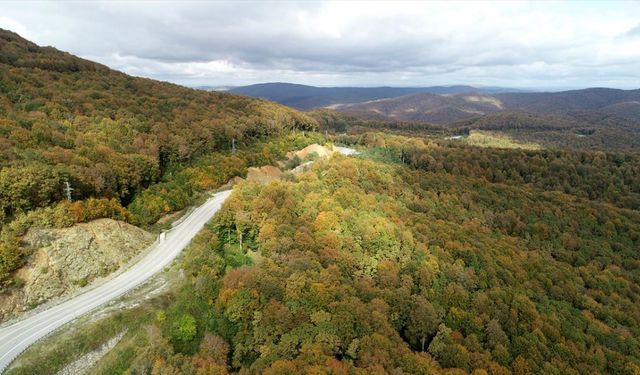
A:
[65,260]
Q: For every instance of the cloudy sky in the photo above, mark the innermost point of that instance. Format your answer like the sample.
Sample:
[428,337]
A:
[514,44]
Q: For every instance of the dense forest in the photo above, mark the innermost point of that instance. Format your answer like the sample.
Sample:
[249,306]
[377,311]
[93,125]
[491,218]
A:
[378,265]
[578,130]
[586,130]
[594,175]
[420,255]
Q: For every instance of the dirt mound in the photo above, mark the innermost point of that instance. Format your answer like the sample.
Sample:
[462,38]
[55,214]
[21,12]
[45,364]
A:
[320,150]
[64,260]
[264,174]
[270,173]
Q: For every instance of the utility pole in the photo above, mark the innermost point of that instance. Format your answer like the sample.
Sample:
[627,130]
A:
[233,146]
[68,189]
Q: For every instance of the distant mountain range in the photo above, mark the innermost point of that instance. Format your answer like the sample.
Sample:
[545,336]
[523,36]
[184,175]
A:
[444,109]
[447,104]
[307,97]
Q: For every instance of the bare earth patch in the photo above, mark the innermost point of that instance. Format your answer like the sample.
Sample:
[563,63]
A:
[497,140]
[65,260]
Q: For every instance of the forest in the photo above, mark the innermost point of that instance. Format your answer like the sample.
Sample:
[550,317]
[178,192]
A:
[615,130]
[420,255]
[372,265]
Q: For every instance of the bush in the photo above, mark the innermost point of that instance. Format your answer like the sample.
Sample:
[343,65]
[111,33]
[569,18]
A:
[183,332]
[10,259]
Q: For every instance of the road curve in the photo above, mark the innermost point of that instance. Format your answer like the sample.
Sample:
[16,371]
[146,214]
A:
[16,337]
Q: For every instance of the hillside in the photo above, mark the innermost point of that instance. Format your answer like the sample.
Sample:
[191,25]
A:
[605,119]
[566,101]
[64,260]
[628,109]
[18,52]
[433,108]
[416,257]
[111,137]
[307,97]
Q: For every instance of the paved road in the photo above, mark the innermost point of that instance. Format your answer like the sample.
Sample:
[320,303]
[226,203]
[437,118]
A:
[17,337]
[345,150]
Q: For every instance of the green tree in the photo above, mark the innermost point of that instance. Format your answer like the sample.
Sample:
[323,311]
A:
[184,330]
[422,321]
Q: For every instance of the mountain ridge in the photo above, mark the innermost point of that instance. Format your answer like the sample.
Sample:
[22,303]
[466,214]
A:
[444,109]
[306,97]
[19,52]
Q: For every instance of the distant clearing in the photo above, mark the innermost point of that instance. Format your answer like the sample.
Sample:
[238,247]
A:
[485,99]
[497,140]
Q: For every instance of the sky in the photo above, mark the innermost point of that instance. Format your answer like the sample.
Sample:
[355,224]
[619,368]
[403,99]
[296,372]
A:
[539,45]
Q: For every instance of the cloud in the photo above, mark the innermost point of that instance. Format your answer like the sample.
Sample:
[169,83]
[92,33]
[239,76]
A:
[341,43]
[13,25]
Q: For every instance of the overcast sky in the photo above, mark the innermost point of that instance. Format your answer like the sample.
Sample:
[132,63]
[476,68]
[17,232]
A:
[514,44]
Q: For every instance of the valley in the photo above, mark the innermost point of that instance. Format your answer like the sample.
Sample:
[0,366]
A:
[597,118]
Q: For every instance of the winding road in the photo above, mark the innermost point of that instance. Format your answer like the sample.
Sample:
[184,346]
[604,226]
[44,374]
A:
[18,336]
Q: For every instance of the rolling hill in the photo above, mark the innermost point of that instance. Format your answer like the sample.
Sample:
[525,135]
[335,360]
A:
[433,108]
[307,97]
[600,118]
[566,101]
[444,109]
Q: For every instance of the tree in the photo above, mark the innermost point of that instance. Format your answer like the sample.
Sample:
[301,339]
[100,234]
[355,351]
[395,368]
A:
[520,367]
[422,321]
[495,334]
[10,258]
[184,330]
